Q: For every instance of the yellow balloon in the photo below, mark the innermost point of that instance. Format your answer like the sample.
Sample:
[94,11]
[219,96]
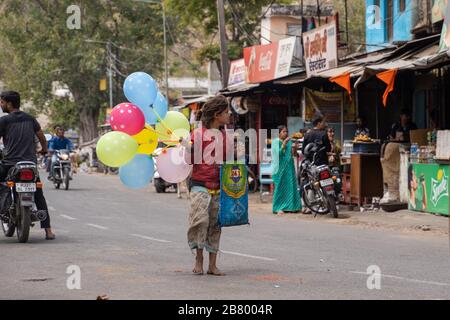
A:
[147,148]
[145,136]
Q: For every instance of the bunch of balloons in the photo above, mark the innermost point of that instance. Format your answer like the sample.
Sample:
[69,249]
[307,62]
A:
[138,127]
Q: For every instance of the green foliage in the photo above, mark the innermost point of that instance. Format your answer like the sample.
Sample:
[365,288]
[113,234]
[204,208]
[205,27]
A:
[38,50]
[243,20]
[356,22]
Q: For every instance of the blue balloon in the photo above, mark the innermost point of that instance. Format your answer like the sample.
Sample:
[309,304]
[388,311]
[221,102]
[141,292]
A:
[161,106]
[137,173]
[140,89]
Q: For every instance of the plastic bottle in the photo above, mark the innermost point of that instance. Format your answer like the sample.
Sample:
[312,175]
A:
[414,153]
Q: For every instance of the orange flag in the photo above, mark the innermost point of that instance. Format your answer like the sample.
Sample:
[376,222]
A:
[344,81]
[388,77]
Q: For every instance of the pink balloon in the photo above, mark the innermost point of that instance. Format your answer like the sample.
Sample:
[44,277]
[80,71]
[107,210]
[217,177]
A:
[172,166]
[127,118]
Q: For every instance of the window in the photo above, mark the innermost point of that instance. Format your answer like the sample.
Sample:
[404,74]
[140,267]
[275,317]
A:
[402,5]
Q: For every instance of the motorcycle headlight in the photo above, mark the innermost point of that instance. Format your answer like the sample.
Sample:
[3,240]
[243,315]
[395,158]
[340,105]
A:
[64,157]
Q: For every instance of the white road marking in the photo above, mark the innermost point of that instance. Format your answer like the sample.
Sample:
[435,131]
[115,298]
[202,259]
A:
[407,279]
[97,226]
[67,217]
[51,208]
[248,256]
[149,238]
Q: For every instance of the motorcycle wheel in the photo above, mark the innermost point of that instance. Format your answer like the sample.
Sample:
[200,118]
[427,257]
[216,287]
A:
[316,208]
[23,223]
[333,208]
[66,178]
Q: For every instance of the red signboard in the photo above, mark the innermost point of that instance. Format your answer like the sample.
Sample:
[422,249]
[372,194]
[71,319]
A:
[269,62]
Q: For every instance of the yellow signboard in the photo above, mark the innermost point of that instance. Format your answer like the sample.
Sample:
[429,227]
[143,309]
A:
[102,85]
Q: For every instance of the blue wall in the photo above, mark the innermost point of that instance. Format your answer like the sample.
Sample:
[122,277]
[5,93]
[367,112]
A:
[403,22]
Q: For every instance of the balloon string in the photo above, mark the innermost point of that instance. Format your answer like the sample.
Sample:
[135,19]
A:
[162,121]
[149,127]
[170,141]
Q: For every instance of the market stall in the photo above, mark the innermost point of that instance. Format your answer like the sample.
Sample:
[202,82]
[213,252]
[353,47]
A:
[428,174]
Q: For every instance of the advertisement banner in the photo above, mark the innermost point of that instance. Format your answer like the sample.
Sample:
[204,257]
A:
[438,10]
[237,73]
[445,35]
[269,62]
[428,189]
[320,45]
[328,104]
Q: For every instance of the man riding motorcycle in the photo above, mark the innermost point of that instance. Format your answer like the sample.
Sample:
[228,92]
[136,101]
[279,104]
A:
[18,130]
[58,142]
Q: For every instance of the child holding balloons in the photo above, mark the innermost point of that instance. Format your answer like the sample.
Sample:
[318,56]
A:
[204,231]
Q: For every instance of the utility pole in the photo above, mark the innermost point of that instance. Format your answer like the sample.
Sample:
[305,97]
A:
[318,11]
[109,52]
[166,69]
[346,22]
[223,43]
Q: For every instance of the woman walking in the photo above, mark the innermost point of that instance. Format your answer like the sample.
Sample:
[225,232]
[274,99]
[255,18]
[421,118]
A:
[287,195]
[204,231]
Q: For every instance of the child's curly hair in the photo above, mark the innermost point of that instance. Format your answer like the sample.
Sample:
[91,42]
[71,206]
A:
[212,108]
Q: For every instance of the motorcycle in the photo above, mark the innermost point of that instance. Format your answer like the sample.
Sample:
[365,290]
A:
[320,185]
[62,169]
[17,201]
[160,184]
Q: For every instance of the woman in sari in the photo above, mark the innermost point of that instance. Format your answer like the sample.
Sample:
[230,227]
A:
[286,195]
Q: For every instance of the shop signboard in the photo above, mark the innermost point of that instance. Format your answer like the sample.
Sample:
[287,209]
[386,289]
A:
[328,104]
[428,188]
[320,46]
[438,10]
[269,62]
[237,73]
[445,35]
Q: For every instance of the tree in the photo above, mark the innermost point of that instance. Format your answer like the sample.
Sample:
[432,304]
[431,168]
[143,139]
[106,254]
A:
[356,22]
[197,25]
[40,50]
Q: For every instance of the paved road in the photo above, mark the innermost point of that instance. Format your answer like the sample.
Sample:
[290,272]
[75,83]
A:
[132,245]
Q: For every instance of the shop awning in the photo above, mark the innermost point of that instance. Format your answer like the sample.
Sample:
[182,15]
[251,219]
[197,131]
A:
[234,90]
[415,59]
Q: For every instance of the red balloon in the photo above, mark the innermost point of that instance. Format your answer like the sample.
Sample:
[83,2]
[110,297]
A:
[127,118]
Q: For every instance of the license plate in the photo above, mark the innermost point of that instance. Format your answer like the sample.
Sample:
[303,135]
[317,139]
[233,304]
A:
[26,187]
[326,183]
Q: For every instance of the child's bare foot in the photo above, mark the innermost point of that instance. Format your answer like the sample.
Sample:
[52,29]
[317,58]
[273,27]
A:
[198,269]
[215,272]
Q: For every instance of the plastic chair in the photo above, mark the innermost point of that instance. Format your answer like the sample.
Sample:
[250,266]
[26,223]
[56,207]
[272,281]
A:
[265,177]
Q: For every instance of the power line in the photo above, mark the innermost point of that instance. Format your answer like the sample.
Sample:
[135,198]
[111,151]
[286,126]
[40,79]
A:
[252,38]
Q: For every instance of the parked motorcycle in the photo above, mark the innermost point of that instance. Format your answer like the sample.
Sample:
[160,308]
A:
[319,184]
[17,202]
[62,169]
[160,184]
